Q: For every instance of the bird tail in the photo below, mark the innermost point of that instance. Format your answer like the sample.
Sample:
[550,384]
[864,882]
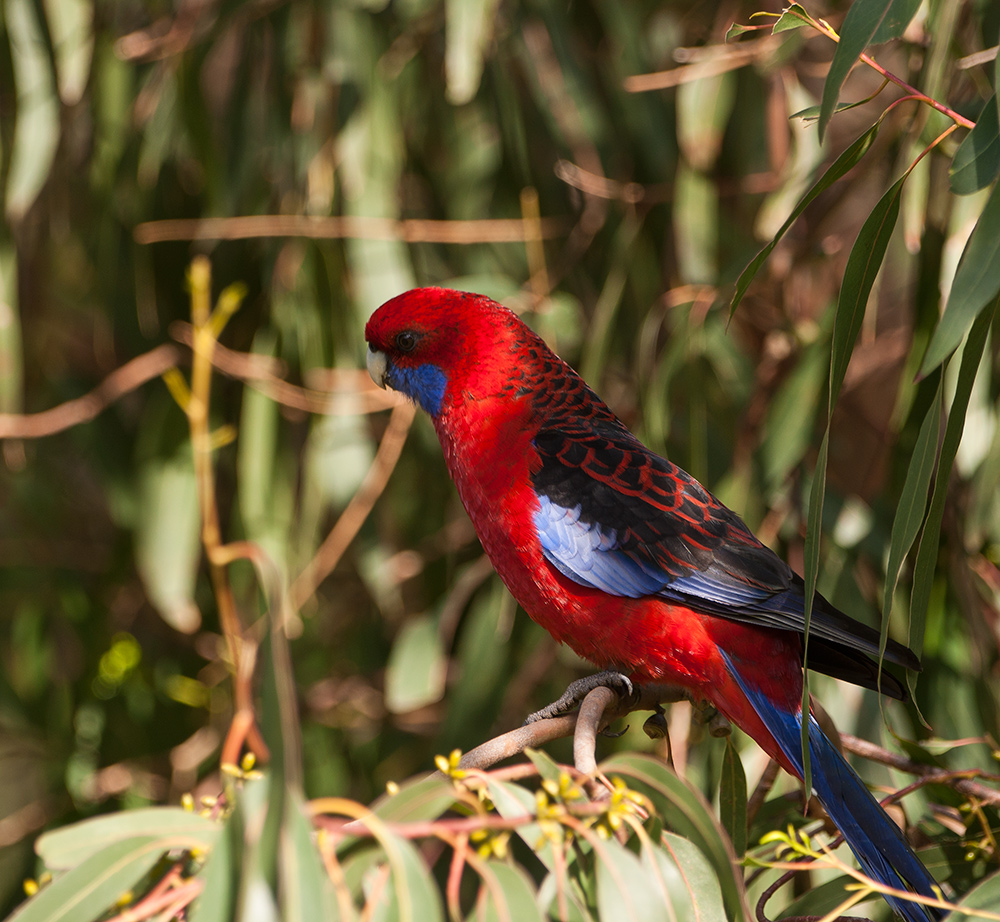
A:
[877,842]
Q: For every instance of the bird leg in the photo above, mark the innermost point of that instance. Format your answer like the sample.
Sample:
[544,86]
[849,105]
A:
[578,690]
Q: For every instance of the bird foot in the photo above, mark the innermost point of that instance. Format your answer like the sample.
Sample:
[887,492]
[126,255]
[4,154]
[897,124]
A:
[578,690]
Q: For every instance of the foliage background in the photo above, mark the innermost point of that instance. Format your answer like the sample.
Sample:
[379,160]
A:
[114,688]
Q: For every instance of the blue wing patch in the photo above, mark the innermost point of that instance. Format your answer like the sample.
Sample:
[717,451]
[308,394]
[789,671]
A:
[589,554]
[592,555]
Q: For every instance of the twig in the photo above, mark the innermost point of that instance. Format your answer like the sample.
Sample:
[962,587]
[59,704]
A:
[930,774]
[121,381]
[594,719]
[722,60]
[358,509]
[410,230]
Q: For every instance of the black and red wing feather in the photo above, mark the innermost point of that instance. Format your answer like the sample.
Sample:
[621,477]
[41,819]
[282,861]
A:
[615,516]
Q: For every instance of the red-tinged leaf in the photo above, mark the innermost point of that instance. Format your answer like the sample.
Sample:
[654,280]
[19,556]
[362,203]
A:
[976,283]
[844,163]
[977,161]
[864,19]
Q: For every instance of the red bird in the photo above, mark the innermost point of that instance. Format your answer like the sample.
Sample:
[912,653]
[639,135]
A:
[625,557]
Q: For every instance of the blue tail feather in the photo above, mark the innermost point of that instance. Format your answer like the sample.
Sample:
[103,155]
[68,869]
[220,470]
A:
[877,842]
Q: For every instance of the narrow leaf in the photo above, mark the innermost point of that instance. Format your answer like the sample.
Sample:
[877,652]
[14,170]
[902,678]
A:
[93,886]
[862,22]
[733,798]
[977,281]
[508,894]
[624,888]
[897,18]
[927,551]
[792,17]
[415,673]
[912,503]
[684,809]
[977,161]
[862,267]
[70,845]
[845,162]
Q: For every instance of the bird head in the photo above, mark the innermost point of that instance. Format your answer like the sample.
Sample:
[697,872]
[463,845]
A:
[433,343]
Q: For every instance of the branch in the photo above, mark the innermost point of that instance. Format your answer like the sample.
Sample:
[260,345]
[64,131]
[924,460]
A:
[961,781]
[599,710]
[411,230]
[121,381]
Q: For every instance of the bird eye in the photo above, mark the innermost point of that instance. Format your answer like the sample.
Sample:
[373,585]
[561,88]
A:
[406,341]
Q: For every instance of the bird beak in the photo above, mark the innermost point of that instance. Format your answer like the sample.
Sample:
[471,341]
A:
[378,366]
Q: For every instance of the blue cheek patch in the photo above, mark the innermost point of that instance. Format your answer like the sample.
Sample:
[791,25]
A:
[425,384]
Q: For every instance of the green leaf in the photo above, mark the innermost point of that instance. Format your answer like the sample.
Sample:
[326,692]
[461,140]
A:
[925,565]
[791,418]
[977,161]
[736,30]
[168,538]
[897,18]
[507,895]
[468,31]
[685,810]
[513,802]
[72,28]
[985,895]
[414,894]
[36,129]
[547,767]
[863,266]
[792,17]
[178,828]
[421,798]
[912,503]
[733,798]
[685,878]
[863,20]
[977,281]
[218,896]
[305,890]
[88,890]
[845,162]
[625,889]
[11,341]
[416,670]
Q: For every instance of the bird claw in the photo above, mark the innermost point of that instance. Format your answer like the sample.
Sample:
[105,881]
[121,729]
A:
[571,698]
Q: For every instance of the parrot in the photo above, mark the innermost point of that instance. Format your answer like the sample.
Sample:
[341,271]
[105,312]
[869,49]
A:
[627,558]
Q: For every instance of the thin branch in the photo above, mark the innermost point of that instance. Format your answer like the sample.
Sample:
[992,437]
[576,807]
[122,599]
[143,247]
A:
[594,715]
[960,781]
[358,509]
[132,375]
[411,230]
[722,60]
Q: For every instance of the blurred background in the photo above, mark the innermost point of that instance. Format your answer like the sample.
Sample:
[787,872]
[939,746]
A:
[607,169]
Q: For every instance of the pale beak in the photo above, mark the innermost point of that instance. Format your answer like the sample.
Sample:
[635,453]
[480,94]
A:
[378,366]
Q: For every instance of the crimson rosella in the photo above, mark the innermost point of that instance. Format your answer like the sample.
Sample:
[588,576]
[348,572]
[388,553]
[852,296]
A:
[625,557]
